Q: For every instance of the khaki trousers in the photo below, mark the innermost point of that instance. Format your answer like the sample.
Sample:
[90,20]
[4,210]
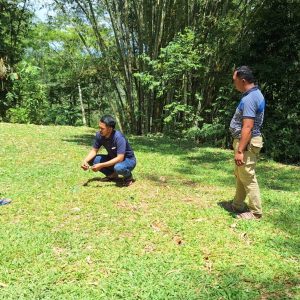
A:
[246,182]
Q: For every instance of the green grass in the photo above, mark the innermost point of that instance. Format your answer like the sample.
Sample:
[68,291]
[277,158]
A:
[67,236]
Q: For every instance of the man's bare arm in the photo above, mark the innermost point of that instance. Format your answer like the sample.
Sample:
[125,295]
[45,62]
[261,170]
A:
[244,140]
[88,158]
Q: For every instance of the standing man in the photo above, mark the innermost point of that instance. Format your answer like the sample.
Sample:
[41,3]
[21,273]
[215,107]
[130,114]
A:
[247,142]
[120,159]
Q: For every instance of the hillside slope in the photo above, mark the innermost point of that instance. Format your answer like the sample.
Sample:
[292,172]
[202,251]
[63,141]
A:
[67,235]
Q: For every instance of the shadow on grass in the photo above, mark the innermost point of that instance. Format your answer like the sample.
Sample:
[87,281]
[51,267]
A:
[120,183]
[237,285]
[286,218]
[270,177]
[83,139]
[209,157]
[162,145]
[283,179]
[227,206]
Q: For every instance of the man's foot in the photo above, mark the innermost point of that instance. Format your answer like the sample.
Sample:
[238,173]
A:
[248,216]
[128,181]
[112,177]
[4,201]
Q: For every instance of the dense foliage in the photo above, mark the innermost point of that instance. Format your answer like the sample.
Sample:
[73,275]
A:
[159,66]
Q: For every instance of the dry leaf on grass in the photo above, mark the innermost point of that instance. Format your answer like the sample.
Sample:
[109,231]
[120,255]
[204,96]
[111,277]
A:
[89,260]
[245,237]
[58,251]
[149,248]
[233,225]
[172,271]
[162,179]
[208,265]
[199,220]
[158,226]
[3,285]
[178,240]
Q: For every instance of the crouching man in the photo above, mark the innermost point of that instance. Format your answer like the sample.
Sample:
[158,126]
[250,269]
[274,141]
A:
[120,158]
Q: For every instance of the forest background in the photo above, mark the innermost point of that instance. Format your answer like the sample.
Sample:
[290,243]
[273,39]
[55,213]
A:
[160,66]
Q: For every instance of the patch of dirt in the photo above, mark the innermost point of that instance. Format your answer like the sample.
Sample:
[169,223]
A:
[132,206]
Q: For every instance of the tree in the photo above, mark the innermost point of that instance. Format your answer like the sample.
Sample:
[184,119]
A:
[274,53]
[15,21]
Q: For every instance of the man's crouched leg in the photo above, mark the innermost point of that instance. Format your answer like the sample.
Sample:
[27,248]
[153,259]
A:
[124,169]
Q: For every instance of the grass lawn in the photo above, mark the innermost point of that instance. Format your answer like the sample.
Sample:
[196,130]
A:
[67,235]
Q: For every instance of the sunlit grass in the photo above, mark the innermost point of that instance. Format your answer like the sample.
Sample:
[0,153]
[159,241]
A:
[67,236]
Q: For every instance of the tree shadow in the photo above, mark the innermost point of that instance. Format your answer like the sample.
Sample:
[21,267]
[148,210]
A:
[210,157]
[270,177]
[235,283]
[83,139]
[285,215]
[162,145]
[278,178]
[211,166]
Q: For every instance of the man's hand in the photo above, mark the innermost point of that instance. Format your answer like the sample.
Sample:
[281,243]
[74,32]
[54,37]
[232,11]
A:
[248,124]
[85,166]
[96,167]
[239,158]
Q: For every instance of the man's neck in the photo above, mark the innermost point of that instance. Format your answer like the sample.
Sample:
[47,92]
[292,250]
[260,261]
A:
[248,87]
[109,134]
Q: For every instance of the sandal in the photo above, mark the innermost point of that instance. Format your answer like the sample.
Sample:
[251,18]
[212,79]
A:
[248,216]
[4,201]
[128,181]
[113,177]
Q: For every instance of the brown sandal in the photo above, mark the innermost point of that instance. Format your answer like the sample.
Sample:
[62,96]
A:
[128,181]
[109,178]
[248,216]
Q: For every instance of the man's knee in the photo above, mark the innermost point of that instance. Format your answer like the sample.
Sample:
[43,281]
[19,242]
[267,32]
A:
[119,168]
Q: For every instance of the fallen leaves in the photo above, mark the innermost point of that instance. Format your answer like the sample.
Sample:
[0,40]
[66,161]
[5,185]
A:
[159,226]
[3,285]
[149,248]
[59,251]
[233,225]
[243,235]
[208,265]
[178,240]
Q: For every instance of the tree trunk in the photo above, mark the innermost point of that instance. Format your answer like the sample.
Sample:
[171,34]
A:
[81,104]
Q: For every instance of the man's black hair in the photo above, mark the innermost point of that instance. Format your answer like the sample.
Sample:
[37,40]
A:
[108,121]
[244,72]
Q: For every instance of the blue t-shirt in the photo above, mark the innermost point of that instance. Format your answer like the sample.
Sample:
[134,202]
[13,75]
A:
[114,145]
[252,105]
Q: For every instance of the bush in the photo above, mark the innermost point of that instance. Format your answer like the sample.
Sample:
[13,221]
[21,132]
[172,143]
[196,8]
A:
[18,115]
[213,134]
[179,118]
[282,142]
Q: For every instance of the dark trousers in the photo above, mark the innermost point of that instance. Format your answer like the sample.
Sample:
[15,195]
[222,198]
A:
[123,168]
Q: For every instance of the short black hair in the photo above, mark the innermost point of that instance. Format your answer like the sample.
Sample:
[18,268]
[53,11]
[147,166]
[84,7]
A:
[108,120]
[244,72]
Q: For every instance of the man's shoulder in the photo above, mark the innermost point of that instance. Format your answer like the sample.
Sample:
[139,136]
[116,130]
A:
[253,97]
[119,135]
[99,137]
